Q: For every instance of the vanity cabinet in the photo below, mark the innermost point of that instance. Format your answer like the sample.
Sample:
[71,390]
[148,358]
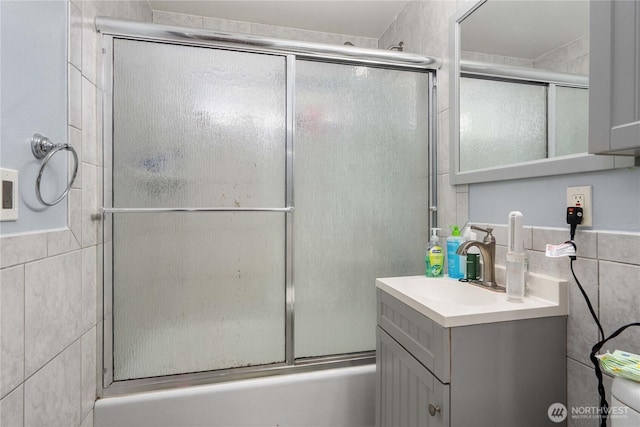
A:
[493,374]
[614,78]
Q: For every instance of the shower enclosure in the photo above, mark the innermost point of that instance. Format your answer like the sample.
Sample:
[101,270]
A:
[253,191]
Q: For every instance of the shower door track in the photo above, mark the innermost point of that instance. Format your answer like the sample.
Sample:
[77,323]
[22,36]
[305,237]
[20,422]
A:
[112,29]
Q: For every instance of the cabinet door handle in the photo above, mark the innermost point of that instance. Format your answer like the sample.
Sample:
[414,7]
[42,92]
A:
[433,410]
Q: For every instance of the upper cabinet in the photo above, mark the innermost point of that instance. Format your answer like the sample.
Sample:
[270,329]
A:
[614,92]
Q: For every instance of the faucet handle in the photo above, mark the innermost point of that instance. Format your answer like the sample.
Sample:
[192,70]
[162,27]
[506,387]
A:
[487,230]
[489,237]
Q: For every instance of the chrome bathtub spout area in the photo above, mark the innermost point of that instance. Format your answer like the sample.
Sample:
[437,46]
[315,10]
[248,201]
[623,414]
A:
[488,253]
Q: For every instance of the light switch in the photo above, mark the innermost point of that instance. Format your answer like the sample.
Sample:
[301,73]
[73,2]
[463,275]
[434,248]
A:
[8,195]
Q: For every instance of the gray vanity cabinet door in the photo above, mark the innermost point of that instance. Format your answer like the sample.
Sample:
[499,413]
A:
[406,389]
[614,78]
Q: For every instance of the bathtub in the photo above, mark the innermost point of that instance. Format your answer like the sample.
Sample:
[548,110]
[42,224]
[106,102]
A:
[327,398]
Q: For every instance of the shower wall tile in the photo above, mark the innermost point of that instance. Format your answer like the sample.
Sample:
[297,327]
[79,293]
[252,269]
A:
[582,332]
[447,199]
[75,139]
[75,36]
[572,57]
[579,65]
[443,77]
[89,40]
[89,141]
[434,23]
[53,292]
[74,92]
[88,421]
[75,213]
[21,248]
[11,409]
[501,233]
[619,247]
[408,27]
[183,20]
[586,240]
[62,241]
[89,287]
[388,38]
[578,48]
[620,304]
[462,208]
[52,395]
[11,328]
[443,143]
[582,392]
[555,60]
[226,25]
[88,379]
[89,205]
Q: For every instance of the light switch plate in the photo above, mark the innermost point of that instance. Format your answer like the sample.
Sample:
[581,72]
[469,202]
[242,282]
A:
[8,195]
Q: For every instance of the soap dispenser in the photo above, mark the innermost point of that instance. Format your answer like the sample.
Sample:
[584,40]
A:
[434,257]
[517,259]
[456,264]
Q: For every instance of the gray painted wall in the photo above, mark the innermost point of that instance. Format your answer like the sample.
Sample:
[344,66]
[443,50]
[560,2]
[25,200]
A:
[33,99]
[616,199]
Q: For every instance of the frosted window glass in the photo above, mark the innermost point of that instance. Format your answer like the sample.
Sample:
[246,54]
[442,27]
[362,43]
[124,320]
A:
[196,292]
[360,197]
[572,120]
[187,118]
[501,123]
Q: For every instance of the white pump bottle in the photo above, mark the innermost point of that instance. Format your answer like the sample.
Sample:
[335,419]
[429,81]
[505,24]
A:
[517,259]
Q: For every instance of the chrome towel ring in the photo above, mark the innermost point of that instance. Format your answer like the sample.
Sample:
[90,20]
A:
[43,148]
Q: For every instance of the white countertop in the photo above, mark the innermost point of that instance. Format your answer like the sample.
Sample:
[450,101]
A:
[453,303]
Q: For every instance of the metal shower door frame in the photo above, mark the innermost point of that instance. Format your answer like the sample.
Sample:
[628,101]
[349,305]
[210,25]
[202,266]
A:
[111,30]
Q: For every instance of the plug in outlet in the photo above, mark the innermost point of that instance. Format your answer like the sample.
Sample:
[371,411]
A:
[581,196]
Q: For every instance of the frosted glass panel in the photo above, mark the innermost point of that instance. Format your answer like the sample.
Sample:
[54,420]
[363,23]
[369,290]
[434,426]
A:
[572,120]
[197,127]
[360,195]
[196,292]
[501,123]
[186,118]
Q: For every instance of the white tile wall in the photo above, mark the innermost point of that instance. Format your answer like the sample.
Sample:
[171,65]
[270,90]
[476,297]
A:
[11,408]
[11,328]
[48,309]
[571,58]
[51,398]
[52,307]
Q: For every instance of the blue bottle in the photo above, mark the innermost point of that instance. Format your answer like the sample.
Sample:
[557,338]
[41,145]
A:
[456,264]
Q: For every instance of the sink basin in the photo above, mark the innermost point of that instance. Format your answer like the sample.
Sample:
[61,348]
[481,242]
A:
[453,292]
[450,302]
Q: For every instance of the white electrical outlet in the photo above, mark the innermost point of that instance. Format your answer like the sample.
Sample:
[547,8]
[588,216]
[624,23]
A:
[581,196]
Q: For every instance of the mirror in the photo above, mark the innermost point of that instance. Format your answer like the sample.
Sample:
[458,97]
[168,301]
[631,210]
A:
[519,98]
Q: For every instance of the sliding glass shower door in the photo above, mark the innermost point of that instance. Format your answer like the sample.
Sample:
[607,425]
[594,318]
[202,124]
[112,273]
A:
[197,128]
[255,198]
[360,194]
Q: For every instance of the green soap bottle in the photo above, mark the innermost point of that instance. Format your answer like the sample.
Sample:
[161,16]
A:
[434,258]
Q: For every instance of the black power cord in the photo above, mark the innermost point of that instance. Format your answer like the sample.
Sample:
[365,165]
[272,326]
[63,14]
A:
[574,217]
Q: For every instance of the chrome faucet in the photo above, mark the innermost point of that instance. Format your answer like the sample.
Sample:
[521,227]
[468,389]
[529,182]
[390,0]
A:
[488,252]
